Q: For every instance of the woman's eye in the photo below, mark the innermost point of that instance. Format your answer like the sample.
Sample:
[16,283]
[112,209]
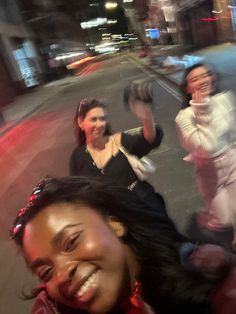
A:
[45,274]
[71,243]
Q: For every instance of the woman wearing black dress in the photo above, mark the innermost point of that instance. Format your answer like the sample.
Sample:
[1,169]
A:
[98,154]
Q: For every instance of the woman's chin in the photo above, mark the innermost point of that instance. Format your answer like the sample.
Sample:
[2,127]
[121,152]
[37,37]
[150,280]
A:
[98,135]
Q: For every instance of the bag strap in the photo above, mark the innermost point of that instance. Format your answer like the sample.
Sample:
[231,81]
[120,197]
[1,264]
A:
[120,147]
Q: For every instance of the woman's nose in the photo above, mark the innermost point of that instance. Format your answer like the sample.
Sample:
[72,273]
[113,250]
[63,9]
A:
[66,272]
[100,123]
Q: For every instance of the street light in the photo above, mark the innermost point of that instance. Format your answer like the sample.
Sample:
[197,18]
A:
[111,21]
[93,23]
[110,5]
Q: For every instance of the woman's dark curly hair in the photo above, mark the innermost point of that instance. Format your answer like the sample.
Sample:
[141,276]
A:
[84,106]
[167,285]
[186,96]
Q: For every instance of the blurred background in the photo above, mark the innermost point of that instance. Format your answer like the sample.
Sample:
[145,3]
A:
[40,38]
[55,52]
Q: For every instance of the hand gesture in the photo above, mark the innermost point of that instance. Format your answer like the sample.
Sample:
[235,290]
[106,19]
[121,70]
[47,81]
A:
[197,96]
[140,109]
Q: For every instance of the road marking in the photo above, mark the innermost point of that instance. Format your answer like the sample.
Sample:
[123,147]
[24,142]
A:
[172,91]
[161,82]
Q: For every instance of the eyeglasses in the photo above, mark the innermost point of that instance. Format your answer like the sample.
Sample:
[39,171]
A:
[19,222]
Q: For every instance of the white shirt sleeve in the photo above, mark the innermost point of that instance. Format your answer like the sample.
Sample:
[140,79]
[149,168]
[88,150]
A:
[206,129]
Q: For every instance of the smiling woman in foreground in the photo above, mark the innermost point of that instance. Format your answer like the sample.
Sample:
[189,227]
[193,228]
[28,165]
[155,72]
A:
[97,249]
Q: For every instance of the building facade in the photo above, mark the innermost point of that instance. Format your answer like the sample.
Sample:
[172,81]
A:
[19,63]
[205,22]
[193,22]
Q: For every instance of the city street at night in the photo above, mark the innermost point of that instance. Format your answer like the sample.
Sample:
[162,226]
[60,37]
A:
[41,144]
[77,246]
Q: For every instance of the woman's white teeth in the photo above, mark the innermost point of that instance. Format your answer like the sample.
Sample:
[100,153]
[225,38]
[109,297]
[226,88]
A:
[91,282]
[204,86]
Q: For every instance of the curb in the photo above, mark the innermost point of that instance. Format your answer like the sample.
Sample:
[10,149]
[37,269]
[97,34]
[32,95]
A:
[14,124]
[136,60]
[150,68]
[6,129]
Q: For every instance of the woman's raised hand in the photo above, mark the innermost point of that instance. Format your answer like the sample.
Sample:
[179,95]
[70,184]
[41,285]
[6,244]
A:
[140,109]
[197,96]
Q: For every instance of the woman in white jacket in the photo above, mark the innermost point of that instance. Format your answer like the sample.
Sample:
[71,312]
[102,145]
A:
[206,128]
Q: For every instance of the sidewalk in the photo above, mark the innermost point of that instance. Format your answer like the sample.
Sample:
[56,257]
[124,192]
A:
[222,57]
[26,104]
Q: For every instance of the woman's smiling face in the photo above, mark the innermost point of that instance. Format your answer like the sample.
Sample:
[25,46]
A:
[94,123]
[79,256]
[200,79]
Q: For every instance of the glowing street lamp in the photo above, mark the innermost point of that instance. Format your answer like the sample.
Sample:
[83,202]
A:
[111,21]
[110,5]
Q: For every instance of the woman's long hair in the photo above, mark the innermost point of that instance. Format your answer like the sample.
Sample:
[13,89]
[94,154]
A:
[215,82]
[84,106]
[166,283]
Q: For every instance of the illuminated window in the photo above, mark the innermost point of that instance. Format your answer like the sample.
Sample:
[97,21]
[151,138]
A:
[233,13]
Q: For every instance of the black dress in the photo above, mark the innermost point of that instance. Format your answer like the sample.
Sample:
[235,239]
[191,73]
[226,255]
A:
[118,169]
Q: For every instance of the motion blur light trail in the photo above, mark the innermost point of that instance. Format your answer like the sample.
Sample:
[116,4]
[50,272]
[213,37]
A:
[74,65]
[90,69]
